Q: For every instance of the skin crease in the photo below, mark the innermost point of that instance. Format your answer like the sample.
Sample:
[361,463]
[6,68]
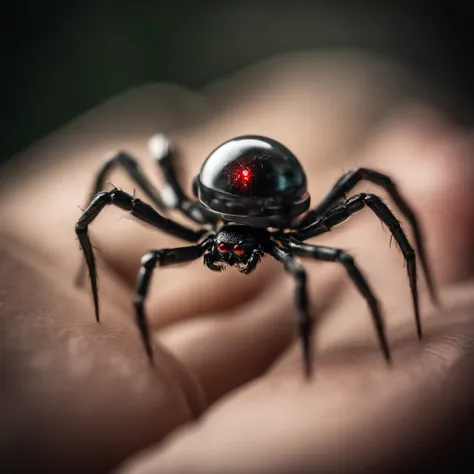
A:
[80,397]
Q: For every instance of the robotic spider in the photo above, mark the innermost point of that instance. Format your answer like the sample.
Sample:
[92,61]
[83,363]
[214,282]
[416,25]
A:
[251,200]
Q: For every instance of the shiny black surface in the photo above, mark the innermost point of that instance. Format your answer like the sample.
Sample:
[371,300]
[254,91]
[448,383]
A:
[252,166]
[255,180]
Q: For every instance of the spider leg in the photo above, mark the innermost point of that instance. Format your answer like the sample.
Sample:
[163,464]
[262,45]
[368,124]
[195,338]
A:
[356,203]
[136,173]
[138,209]
[150,261]
[253,261]
[164,156]
[349,181]
[169,198]
[301,295]
[172,197]
[330,254]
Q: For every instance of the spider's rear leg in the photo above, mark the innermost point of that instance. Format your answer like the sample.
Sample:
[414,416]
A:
[347,182]
[165,156]
[138,209]
[149,262]
[171,197]
[304,321]
[380,209]
[330,254]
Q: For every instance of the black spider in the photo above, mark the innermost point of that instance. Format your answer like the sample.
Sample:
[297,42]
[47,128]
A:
[252,200]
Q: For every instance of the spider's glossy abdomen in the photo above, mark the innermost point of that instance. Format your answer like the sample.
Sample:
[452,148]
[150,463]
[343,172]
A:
[253,180]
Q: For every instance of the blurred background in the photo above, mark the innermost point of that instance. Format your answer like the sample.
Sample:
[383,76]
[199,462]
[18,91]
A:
[63,58]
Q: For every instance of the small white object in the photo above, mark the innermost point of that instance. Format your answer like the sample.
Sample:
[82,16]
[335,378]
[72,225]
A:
[169,197]
[159,146]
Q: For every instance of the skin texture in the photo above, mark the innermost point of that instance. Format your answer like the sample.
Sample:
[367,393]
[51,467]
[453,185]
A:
[80,397]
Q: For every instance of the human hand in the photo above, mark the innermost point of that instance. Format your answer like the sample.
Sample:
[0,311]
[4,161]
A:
[83,396]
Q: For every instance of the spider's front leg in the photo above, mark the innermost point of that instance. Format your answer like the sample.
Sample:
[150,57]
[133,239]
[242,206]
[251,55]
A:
[138,209]
[347,182]
[330,254]
[171,197]
[150,261]
[301,296]
[165,157]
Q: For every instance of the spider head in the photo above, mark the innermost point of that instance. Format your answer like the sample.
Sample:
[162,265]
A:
[233,255]
[237,246]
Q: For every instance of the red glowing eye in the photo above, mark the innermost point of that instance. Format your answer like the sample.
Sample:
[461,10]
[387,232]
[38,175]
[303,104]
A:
[245,175]
[239,250]
[241,176]
[222,247]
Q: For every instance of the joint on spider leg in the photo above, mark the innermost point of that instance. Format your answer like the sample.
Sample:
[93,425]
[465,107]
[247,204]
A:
[151,260]
[132,207]
[159,146]
[121,199]
[169,197]
[347,260]
[80,229]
